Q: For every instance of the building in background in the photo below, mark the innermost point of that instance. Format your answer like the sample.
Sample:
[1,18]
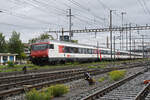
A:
[5,57]
[27,49]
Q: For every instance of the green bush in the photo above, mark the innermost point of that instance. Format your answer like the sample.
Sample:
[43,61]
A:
[48,93]
[58,90]
[36,95]
[117,74]
[101,79]
[10,64]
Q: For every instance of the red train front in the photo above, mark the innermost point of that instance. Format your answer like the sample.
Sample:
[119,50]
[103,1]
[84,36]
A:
[39,53]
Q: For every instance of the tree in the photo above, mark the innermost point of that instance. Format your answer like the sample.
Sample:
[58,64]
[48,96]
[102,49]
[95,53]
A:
[3,44]
[46,36]
[23,56]
[15,44]
[41,37]
[33,40]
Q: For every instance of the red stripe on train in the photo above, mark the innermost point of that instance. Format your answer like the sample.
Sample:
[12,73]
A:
[61,49]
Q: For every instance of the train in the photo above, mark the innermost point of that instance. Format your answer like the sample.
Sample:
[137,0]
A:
[53,51]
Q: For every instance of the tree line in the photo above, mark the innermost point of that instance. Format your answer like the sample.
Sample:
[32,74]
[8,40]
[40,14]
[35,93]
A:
[13,45]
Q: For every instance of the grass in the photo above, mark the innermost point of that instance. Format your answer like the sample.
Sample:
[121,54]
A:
[92,67]
[102,79]
[36,95]
[58,90]
[117,75]
[101,64]
[47,93]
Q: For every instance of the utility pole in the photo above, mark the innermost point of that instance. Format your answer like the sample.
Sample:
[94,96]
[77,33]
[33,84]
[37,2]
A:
[97,51]
[70,24]
[126,38]
[120,40]
[107,42]
[122,13]
[134,46]
[143,44]
[111,32]
[63,34]
[114,49]
[130,39]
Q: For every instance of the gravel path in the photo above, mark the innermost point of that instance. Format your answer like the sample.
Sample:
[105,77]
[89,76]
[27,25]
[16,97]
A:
[148,97]
[129,90]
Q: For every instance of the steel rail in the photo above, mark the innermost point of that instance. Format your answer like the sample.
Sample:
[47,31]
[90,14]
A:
[144,92]
[63,80]
[56,81]
[102,92]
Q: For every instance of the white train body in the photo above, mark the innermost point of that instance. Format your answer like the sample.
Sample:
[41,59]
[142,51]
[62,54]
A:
[58,51]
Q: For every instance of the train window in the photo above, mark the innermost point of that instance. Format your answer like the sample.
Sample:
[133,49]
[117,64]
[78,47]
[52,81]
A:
[104,52]
[80,50]
[90,51]
[85,51]
[66,49]
[51,46]
[75,50]
[39,47]
[108,52]
[95,51]
[71,50]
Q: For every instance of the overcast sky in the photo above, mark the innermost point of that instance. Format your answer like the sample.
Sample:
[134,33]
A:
[32,17]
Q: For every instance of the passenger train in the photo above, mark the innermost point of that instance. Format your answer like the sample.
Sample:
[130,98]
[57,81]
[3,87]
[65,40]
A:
[52,51]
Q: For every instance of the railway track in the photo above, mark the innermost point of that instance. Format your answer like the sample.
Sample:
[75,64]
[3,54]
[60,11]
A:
[144,93]
[15,84]
[54,74]
[22,77]
[131,88]
[147,92]
[4,74]
[18,87]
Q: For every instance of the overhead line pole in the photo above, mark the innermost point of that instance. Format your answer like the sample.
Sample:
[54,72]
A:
[130,39]
[114,49]
[120,40]
[122,30]
[126,38]
[70,24]
[111,32]
[134,46]
[143,45]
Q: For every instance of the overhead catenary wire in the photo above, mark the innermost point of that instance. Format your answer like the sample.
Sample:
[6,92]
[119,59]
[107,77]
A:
[141,4]
[86,9]
[145,5]
[27,17]
[81,13]
[22,26]
[46,11]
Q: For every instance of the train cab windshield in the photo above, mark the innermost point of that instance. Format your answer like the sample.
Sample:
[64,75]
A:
[39,47]
[42,47]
